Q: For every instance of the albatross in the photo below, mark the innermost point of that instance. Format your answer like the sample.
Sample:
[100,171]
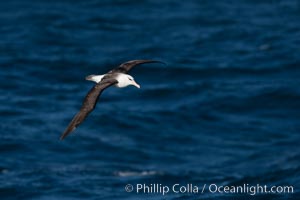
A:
[117,77]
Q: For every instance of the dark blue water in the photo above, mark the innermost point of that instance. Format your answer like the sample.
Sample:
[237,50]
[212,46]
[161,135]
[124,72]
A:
[224,110]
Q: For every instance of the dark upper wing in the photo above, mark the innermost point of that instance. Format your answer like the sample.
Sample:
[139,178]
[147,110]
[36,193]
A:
[125,67]
[88,105]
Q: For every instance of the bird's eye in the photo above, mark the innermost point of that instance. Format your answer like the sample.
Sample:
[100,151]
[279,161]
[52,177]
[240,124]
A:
[130,79]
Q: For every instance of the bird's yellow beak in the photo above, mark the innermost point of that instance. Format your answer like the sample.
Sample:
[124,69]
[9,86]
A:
[135,84]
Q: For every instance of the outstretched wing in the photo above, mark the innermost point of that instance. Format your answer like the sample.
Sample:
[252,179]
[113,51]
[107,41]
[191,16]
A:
[88,105]
[125,67]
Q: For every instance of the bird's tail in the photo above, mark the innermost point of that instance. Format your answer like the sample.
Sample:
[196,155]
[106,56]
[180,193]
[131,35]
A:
[90,77]
[95,78]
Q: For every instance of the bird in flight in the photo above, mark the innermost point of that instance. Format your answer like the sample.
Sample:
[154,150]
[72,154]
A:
[117,77]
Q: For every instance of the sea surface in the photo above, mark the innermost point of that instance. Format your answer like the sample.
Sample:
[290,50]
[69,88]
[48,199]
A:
[224,110]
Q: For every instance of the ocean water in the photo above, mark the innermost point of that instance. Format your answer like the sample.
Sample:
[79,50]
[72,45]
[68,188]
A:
[224,110]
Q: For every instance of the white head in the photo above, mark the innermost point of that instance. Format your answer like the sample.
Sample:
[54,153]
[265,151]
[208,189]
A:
[125,80]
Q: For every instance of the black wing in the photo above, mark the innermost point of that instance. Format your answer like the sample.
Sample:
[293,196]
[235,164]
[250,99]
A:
[125,67]
[88,105]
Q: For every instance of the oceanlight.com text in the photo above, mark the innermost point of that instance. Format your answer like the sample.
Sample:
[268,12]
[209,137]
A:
[158,188]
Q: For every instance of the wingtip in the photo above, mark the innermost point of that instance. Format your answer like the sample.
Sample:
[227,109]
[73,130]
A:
[147,61]
[65,134]
[62,137]
[158,61]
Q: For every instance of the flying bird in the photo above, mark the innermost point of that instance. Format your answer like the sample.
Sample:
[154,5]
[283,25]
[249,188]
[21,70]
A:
[117,77]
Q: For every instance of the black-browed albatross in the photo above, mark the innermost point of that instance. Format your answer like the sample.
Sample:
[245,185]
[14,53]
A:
[117,77]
